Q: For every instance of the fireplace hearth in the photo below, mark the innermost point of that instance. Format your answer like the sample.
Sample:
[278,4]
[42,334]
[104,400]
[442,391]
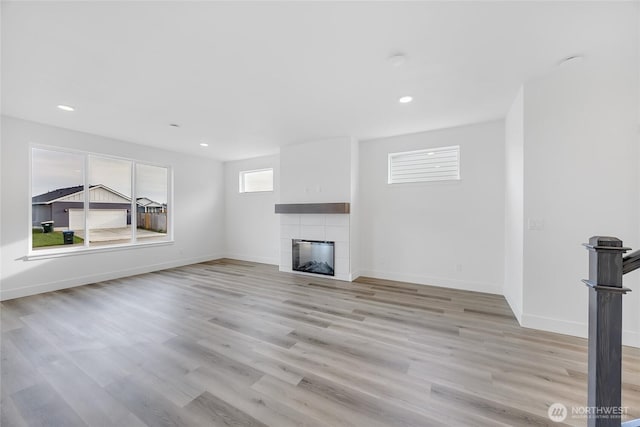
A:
[313,256]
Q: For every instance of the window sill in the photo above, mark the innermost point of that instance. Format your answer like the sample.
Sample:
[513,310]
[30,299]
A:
[58,253]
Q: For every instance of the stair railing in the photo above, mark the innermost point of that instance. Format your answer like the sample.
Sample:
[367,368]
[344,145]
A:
[607,264]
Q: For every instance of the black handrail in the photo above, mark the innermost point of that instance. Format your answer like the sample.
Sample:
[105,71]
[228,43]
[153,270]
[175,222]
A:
[631,262]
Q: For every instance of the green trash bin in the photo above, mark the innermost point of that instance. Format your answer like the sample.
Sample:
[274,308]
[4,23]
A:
[67,237]
[47,226]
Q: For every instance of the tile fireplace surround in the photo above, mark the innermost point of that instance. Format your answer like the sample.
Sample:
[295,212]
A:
[316,226]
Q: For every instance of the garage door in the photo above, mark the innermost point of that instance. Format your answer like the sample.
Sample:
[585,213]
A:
[98,218]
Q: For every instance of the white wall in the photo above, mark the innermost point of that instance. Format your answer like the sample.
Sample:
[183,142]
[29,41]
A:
[252,229]
[198,213]
[580,180]
[636,306]
[632,306]
[447,233]
[316,171]
[354,216]
[514,206]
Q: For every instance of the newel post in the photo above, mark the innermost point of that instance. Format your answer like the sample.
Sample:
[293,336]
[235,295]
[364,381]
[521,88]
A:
[605,330]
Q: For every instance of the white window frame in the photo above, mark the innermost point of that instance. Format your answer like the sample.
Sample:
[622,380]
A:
[68,250]
[241,179]
[427,165]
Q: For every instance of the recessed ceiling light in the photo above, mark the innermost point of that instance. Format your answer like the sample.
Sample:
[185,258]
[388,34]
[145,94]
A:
[173,125]
[430,153]
[405,99]
[66,108]
[204,144]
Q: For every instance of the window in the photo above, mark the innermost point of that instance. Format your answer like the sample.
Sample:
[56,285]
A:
[81,201]
[109,216]
[433,164]
[256,180]
[152,191]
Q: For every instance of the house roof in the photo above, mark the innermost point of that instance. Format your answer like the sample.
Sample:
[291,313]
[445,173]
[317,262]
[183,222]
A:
[56,194]
[145,201]
[60,193]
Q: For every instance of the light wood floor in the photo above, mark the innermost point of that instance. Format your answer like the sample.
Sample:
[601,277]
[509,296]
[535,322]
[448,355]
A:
[236,343]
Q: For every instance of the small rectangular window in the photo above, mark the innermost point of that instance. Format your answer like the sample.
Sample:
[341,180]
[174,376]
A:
[256,180]
[433,164]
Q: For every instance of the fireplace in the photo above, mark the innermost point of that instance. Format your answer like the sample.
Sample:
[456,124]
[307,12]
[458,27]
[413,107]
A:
[313,256]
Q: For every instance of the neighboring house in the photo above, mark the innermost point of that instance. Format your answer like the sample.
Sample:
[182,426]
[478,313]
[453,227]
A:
[151,215]
[107,208]
[146,205]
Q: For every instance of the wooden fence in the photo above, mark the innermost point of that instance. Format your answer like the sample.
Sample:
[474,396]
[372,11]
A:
[153,221]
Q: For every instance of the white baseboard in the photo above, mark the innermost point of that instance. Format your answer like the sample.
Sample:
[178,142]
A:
[576,329]
[7,294]
[515,309]
[566,327]
[631,338]
[252,258]
[354,276]
[464,285]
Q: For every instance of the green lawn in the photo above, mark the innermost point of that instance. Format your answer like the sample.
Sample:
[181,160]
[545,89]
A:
[54,238]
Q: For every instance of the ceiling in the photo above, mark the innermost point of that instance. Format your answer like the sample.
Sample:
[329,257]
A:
[247,77]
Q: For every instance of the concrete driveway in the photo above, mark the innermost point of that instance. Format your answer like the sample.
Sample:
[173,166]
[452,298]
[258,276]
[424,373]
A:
[113,235]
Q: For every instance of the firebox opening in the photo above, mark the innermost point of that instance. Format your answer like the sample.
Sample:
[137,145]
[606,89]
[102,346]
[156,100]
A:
[313,256]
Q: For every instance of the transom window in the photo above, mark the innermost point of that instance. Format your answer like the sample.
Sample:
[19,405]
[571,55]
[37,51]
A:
[256,180]
[433,164]
[82,200]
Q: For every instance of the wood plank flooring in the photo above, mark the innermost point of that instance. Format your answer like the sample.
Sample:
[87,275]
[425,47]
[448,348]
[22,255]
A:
[229,343]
